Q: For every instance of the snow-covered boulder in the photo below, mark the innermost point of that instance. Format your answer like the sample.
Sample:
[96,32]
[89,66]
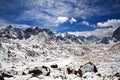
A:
[88,67]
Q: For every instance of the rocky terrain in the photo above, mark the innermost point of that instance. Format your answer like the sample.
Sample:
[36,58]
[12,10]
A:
[39,54]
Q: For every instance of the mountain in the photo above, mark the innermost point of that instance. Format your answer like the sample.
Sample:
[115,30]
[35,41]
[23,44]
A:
[36,34]
[116,34]
[11,33]
[39,54]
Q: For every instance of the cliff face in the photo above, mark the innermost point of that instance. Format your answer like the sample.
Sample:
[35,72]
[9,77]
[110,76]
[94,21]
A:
[116,34]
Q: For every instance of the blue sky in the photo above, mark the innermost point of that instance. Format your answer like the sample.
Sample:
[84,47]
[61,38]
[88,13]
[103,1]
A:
[61,15]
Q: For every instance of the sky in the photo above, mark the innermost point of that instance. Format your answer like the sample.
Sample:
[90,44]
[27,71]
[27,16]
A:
[61,15]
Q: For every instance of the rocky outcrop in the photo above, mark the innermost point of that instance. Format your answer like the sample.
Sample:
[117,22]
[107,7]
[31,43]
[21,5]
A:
[105,40]
[116,34]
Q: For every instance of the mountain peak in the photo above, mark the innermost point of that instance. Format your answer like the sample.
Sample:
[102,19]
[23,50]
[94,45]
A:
[116,34]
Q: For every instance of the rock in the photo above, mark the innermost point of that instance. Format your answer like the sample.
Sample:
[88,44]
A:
[40,71]
[6,75]
[116,34]
[79,72]
[105,40]
[47,70]
[88,67]
[23,73]
[1,78]
[54,66]
[71,71]
[117,74]
[35,72]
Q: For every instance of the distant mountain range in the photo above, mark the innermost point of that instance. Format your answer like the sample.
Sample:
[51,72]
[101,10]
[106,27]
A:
[47,36]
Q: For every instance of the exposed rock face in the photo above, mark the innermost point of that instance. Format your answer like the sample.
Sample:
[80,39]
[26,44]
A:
[116,34]
[72,38]
[31,31]
[11,33]
[105,40]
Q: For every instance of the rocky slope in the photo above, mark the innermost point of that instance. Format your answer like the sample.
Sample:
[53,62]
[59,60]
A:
[38,54]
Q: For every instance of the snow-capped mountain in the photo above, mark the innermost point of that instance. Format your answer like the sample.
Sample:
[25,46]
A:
[35,34]
[39,54]
[47,36]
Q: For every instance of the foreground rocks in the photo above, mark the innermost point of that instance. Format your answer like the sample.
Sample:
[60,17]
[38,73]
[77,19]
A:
[87,71]
[40,71]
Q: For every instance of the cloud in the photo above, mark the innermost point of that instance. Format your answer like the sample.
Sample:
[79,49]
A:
[85,23]
[61,20]
[106,32]
[88,24]
[112,22]
[45,12]
[72,20]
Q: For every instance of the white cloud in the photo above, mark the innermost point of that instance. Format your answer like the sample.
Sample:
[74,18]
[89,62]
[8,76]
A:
[61,20]
[85,23]
[88,24]
[47,11]
[72,20]
[112,22]
[98,32]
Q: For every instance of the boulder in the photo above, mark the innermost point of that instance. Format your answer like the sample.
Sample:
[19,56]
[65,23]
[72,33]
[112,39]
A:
[40,71]
[7,75]
[88,67]
[71,71]
[1,78]
[54,66]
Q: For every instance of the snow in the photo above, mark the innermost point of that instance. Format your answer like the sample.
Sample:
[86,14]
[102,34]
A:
[97,32]
[34,78]
[25,55]
[91,76]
